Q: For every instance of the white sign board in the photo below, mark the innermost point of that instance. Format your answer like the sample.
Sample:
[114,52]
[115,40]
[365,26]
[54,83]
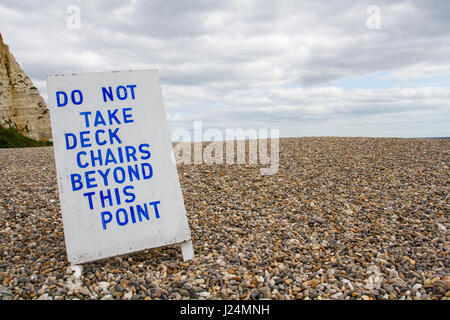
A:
[118,185]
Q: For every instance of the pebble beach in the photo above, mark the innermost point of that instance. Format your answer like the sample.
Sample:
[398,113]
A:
[342,219]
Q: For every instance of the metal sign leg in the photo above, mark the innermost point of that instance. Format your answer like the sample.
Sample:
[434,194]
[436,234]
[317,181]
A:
[187,250]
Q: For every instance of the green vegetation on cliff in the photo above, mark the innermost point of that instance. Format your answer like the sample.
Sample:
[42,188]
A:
[11,138]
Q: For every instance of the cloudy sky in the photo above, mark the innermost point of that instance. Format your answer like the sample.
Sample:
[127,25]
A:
[309,68]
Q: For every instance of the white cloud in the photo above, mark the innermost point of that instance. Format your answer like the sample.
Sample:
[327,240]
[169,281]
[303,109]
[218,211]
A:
[275,63]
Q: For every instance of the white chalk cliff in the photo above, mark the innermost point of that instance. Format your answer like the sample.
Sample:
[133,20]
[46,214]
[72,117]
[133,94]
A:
[21,105]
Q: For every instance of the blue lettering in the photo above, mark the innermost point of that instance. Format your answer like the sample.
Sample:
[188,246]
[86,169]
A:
[108,220]
[107,93]
[141,149]
[110,157]
[104,176]
[75,178]
[112,115]
[130,152]
[112,135]
[131,86]
[141,212]
[98,158]
[118,217]
[131,194]
[80,165]
[80,97]
[133,172]
[119,150]
[84,141]
[125,94]
[90,182]
[155,206]
[122,180]
[89,195]
[133,218]
[58,101]
[74,141]
[97,139]
[149,174]
[116,190]
[127,115]
[99,119]
[86,118]
[104,197]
